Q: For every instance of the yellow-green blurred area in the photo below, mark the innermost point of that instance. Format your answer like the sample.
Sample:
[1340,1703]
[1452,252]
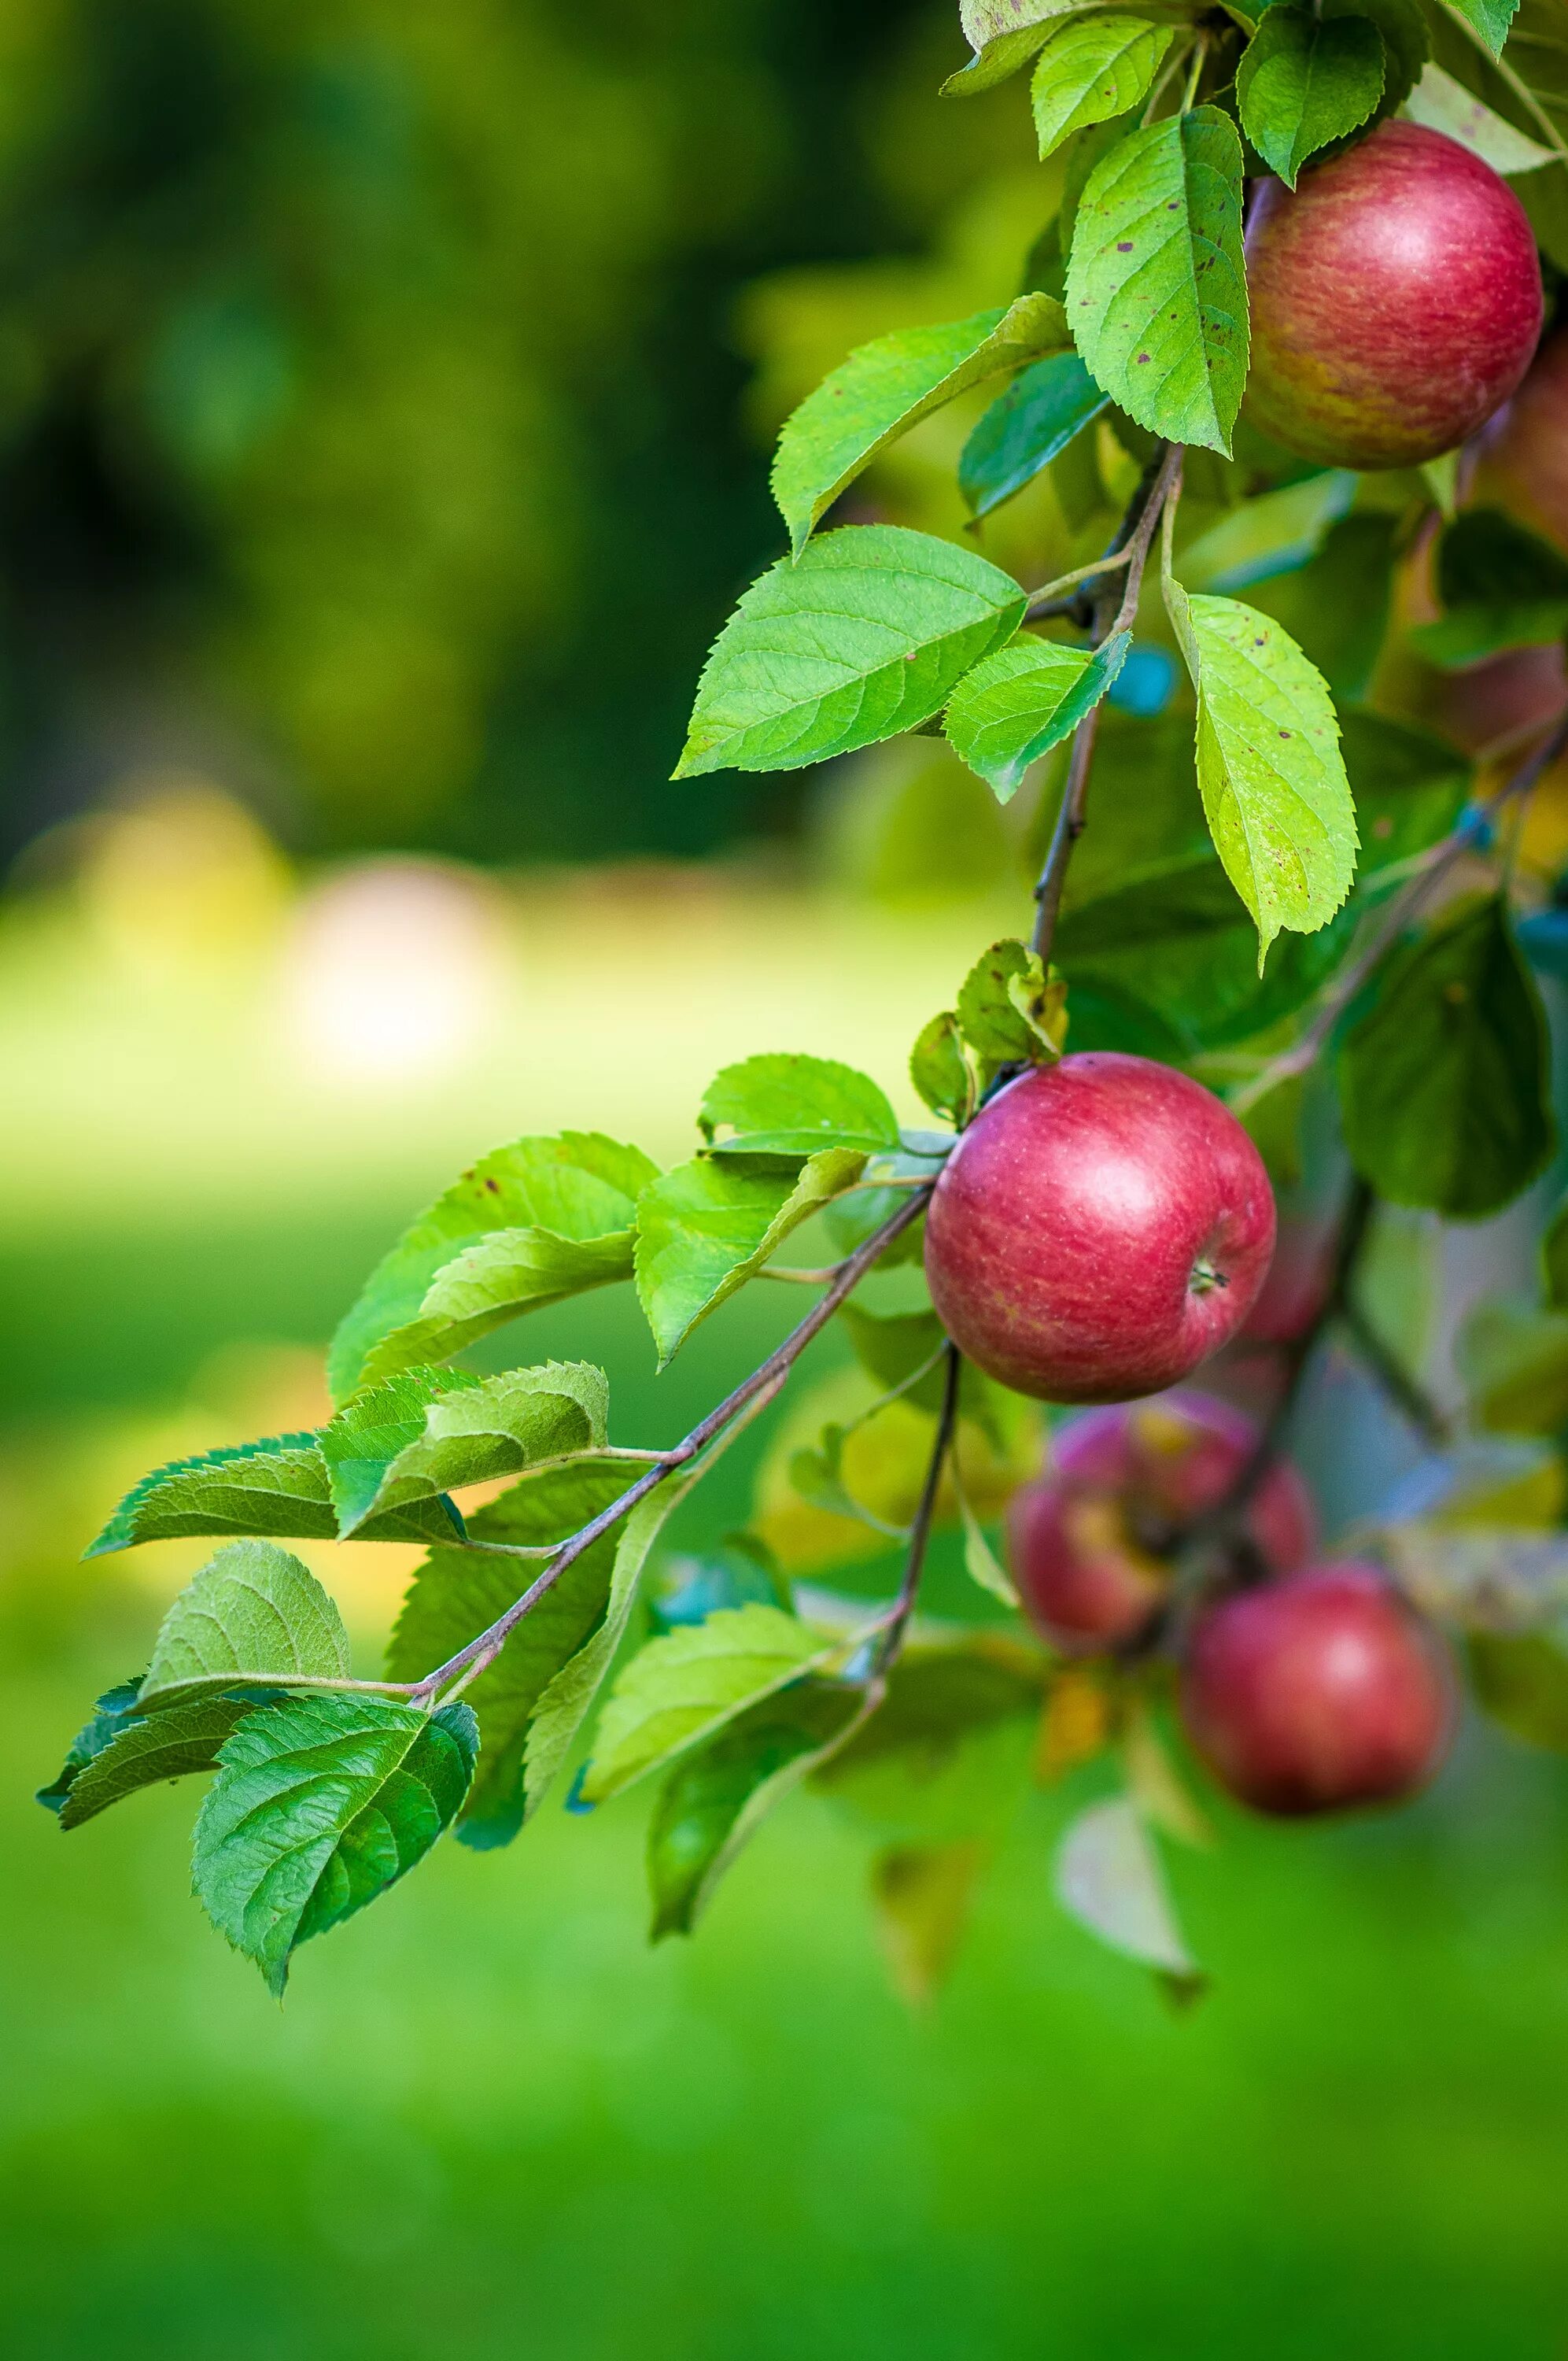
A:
[489,2120]
[383,398]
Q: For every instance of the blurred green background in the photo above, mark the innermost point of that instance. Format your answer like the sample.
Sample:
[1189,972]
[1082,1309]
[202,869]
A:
[383,394]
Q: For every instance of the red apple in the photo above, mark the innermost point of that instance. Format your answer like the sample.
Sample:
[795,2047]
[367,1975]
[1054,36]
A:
[1088,1540]
[1524,452]
[1102,1226]
[1318,1692]
[1395,301]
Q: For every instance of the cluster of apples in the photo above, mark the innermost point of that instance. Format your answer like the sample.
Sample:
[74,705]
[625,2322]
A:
[1102,1226]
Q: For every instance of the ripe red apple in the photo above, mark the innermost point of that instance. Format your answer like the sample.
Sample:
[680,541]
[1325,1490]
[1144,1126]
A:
[1395,301]
[1102,1226]
[1318,1692]
[1524,450]
[1087,1541]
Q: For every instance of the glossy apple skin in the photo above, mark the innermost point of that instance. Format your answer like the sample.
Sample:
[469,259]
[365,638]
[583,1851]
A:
[1084,1539]
[1102,1226]
[1523,463]
[1395,301]
[1316,1693]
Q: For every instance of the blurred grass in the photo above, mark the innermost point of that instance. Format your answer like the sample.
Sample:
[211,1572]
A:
[488,2121]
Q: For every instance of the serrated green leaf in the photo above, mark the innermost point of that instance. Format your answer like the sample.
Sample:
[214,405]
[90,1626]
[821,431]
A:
[860,637]
[1269,767]
[277,1489]
[1491,19]
[715,1798]
[1156,285]
[1407,44]
[1108,1877]
[111,1713]
[1025,699]
[1090,68]
[457,1594]
[683,1688]
[1306,81]
[319,1805]
[1501,587]
[1275,534]
[981,1562]
[1009,1009]
[172,1744]
[1180,937]
[1514,1362]
[791,1106]
[1445,106]
[1003,34]
[885,388]
[253,1613]
[531,1224]
[430,1430]
[1444,1079]
[940,1070]
[1026,428]
[709,1226]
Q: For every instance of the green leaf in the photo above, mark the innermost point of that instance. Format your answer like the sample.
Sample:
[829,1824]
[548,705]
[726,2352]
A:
[1306,81]
[715,1799]
[253,1613]
[1090,68]
[946,1756]
[1108,1877]
[892,1346]
[1443,1080]
[1336,608]
[1500,587]
[1520,1679]
[922,1894]
[864,635]
[940,1070]
[319,1805]
[429,1431]
[1514,1362]
[981,1561]
[1275,534]
[1491,19]
[457,1594]
[1009,1009]
[1410,787]
[111,1713]
[167,1745]
[1026,428]
[1182,940]
[1156,287]
[709,1226]
[1269,767]
[1003,34]
[1025,699]
[683,1688]
[531,1223]
[277,1487]
[885,388]
[790,1106]
[1445,106]
[1407,44]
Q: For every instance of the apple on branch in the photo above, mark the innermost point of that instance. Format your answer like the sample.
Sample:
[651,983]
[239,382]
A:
[1102,1226]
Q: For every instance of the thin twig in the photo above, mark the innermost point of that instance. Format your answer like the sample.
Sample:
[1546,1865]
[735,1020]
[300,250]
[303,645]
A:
[1158,485]
[1407,1395]
[763,1380]
[897,1623]
[797,1277]
[1470,835]
[1049,591]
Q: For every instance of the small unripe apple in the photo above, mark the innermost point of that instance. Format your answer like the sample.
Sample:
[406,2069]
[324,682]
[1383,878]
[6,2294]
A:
[1524,452]
[1102,1226]
[1088,1540]
[1318,1692]
[1395,301]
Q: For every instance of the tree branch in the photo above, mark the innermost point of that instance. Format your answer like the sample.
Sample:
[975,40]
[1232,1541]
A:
[763,1380]
[891,1637]
[1159,484]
